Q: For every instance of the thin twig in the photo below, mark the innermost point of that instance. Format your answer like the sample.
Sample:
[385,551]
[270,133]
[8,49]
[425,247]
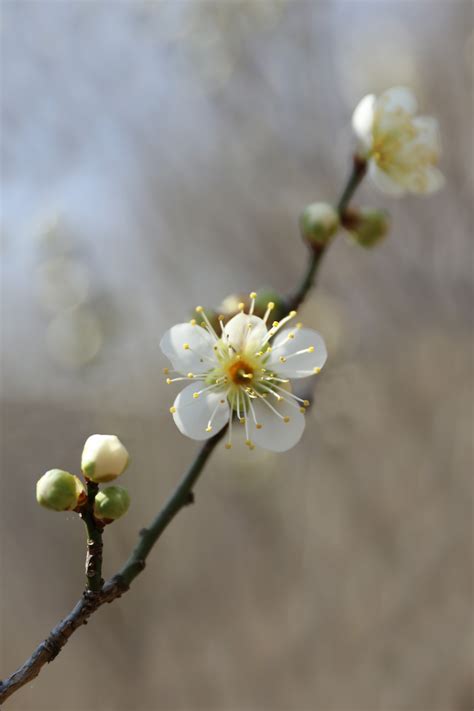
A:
[359,167]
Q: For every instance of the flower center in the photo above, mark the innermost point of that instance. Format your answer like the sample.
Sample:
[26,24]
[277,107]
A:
[240,372]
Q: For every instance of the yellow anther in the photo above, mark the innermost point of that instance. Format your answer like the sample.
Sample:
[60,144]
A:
[316,370]
[228,445]
[291,336]
[195,396]
[242,420]
[172,410]
[286,419]
[279,398]
[253,295]
[168,381]
[299,325]
[270,305]
[193,322]
[166,371]
[203,324]
[241,306]
[258,426]
[302,410]
[292,314]
[311,349]
[275,324]
[221,317]
[190,375]
[199,309]
[282,359]
[186,346]
[209,428]
[248,442]
[305,403]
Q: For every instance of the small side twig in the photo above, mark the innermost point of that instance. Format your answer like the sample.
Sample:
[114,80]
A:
[94,597]
[94,529]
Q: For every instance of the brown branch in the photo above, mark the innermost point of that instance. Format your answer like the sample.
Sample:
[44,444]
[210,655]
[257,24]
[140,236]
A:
[97,594]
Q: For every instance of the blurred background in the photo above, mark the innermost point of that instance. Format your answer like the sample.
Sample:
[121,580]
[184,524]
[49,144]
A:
[156,155]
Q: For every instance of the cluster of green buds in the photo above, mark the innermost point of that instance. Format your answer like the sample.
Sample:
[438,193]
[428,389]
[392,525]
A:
[104,458]
[365,226]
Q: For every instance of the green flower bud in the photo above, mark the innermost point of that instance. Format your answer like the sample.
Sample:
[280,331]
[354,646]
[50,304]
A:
[318,223]
[368,226]
[267,296]
[111,503]
[234,303]
[104,458]
[59,491]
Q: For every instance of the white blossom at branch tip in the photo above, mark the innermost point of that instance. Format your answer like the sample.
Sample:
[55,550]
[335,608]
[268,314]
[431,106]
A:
[403,149]
[241,376]
[104,458]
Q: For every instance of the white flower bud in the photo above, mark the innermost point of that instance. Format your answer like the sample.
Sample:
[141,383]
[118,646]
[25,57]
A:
[318,223]
[59,491]
[111,503]
[104,458]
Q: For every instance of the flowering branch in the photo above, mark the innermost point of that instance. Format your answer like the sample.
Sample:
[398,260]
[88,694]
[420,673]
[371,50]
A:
[97,593]
[235,375]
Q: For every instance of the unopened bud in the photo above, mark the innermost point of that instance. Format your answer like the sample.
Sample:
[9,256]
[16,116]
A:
[104,458]
[269,296]
[318,223]
[368,226]
[111,503]
[60,491]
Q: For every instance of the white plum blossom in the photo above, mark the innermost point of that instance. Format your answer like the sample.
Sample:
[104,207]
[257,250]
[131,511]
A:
[402,148]
[244,372]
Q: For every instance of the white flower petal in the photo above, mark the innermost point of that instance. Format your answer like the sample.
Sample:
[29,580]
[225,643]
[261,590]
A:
[197,358]
[245,333]
[434,180]
[363,119]
[425,182]
[297,366]
[399,97]
[275,434]
[428,133]
[384,182]
[192,415]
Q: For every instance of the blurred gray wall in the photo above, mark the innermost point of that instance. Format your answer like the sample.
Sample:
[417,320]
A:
[155,155]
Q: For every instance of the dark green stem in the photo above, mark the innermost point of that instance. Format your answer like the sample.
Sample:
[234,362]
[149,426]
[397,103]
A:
[94,540]
[359,167]
[182,496]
